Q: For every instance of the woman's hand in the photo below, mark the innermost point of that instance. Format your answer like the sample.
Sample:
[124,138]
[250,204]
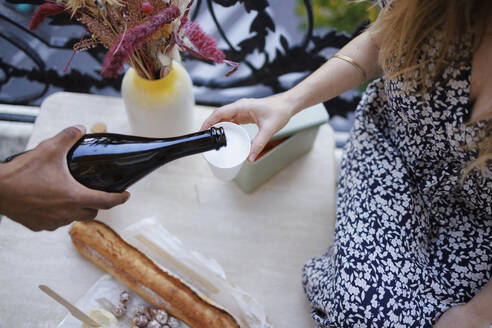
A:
[270,114]
[461,316]
[38,191]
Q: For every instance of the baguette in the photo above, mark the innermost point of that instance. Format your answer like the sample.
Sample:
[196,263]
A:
[103,246]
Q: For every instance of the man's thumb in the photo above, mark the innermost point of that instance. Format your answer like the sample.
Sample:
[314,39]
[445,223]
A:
[67,137]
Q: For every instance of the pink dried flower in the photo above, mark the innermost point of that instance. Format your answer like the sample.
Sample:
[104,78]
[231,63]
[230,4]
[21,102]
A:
[147,8]
[205,45]
[124,45]
[203,42]
[44,10]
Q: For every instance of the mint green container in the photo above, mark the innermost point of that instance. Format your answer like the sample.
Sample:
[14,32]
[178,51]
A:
[301,131]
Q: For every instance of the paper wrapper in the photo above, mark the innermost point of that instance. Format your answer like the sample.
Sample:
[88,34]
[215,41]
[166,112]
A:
[104,294]
[203,274]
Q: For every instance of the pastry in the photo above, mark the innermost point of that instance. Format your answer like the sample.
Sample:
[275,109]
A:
[98,127]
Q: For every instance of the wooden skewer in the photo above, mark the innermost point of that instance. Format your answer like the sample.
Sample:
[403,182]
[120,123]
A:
[71,308]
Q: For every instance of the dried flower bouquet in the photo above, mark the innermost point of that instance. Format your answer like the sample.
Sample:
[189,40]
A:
[143,34]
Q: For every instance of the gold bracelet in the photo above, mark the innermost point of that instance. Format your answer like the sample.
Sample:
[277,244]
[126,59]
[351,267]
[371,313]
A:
[354,63]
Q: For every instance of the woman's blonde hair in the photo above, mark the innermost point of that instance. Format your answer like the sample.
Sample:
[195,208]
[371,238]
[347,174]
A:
[405,27]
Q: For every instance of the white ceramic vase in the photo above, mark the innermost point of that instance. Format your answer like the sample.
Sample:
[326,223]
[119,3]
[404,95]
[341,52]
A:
[159,108]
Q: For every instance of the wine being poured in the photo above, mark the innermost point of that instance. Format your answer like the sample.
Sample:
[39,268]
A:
[113,162]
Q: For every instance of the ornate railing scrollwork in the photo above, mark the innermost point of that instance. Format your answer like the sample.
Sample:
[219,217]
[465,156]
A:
[258,66]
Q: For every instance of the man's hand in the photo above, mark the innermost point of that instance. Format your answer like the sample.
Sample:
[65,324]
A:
[38,191]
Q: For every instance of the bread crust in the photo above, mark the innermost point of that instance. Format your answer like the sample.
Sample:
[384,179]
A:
[103,246]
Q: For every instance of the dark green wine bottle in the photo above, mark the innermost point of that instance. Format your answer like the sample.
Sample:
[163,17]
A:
[113,162]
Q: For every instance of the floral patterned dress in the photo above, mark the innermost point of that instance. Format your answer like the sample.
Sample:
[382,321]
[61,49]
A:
[412,238]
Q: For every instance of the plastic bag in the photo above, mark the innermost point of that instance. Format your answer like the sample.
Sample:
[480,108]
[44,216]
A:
[104,294]
[205,275]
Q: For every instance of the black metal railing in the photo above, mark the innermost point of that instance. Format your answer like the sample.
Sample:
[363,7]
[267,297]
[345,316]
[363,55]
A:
[259,67]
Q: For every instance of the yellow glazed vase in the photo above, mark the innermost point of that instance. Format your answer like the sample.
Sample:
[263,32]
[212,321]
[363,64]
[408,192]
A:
[159,108]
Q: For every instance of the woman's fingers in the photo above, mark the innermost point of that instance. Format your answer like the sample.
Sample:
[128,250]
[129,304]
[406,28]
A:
[224,113]
[237,112]
[263,113]
[259,142]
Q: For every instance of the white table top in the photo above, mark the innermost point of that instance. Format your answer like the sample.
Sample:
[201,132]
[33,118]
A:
[261,239]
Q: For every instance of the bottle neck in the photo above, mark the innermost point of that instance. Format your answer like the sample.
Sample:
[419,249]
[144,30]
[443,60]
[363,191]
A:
[218,135]
[108,144]
[173,148]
